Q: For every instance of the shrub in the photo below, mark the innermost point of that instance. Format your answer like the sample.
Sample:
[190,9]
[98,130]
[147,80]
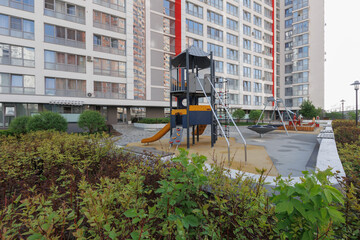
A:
[347,134]
[343,123]
[308,110]
[92,121]
[47,121]
[239,114]
[255,114]
[154,120]
[334,115]
[19,125]
[5,133]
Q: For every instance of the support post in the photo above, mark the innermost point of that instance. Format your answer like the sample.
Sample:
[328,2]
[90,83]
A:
[186,86]
[212,100]
[357,110]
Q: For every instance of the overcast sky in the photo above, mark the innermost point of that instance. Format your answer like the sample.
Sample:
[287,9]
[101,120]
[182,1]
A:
[342,47]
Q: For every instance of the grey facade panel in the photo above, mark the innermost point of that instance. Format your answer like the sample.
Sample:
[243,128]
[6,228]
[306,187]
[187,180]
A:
[157,94]
[157,77]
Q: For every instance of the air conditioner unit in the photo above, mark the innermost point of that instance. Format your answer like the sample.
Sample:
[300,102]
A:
[89,59]
[89,94]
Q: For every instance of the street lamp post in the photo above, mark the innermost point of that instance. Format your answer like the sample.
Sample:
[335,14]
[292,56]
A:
[342,102]
[356,85]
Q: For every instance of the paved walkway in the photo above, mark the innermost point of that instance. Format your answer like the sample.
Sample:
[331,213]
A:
[290,154]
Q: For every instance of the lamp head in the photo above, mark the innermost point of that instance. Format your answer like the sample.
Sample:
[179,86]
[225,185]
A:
[356,85]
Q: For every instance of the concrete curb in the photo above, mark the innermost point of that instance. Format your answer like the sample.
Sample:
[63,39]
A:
[147,126]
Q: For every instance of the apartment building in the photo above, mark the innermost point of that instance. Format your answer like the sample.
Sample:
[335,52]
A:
[300,52]
[240,35]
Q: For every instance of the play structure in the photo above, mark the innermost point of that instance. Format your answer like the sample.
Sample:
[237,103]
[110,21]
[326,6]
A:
[268,128]
[192,80]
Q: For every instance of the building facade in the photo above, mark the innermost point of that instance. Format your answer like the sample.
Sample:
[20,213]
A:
[110,55]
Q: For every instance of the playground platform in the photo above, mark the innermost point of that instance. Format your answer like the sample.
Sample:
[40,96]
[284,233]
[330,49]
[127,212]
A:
[275,151]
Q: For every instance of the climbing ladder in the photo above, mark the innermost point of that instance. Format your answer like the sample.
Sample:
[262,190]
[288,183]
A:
[220,109]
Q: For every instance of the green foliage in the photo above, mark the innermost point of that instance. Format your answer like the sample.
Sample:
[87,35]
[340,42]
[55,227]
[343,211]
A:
[307,210]
[154,120]
[239,114]
[352,115]
[47,121]
[334,115]
[308,110]
[19,125]
[92,121]
[255,114]
[342,123]
[347,135]
[5,133]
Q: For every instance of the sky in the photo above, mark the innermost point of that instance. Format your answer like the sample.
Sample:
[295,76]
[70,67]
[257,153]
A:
[342,47]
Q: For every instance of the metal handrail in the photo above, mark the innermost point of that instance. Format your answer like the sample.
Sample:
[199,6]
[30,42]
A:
[212,109]
[231,118]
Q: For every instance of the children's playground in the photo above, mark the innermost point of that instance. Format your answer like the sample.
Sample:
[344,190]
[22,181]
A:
[200,122]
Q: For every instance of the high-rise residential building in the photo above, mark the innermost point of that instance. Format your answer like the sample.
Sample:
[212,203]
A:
[300,52]
[67,56]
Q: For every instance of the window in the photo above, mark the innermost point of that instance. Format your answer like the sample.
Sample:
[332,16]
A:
[195,42]
[65,87]
[215,34]
[301,15]
[288,46]
[233,84]
[268,38]
[247,99]
[301,90]
[301,52]
[108,67]
[234,99]
[17,84]
[257,47]
[16,27]
[257,100]
[257,61]
[288,34]
[194,10]
[300,4]
[110,90]
[288,23]
[169,8]
[268,88]
[301,77]
[194,27]
[64,36]
[232,24]
[247,86]
[232,39]
[247,58]
[301,65]
[64,61]
[216,3]
[231,9]
[288,102]
[268,51]
[288,2]
[257,7]
[232,54]
[247,3]
[268,13]
[247,72]
[268,25]
[109,22]
[113,4]
[109,45]
[257,21]
[288,12]
[288,91]
[232,69]
[247,30]
[215,18]
[257,34]
[288,57]
[288,69]
[288,80]
[216,49]
[247,16]
[268,76]
[301,40]
[65,11]
[219,66]
[17,55]
[247,44]
[257,74]
[301,27]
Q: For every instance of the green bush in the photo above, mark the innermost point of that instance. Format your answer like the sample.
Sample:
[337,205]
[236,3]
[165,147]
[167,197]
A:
[334,115]
[19,125]
[255,114]
[92,121]
[47,121]
[239,114]
[342,123]
[154,120]
[6,133]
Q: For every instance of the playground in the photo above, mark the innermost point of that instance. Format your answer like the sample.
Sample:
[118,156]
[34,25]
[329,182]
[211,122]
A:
[279,148]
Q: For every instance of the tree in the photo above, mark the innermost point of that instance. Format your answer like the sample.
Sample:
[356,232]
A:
[92,121]
[239,114]
[47,121]
[334,115]
[308,110]
[255,114]
[18,125]
[351,115]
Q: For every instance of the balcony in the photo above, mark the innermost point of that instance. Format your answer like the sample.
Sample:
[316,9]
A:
[65,93]
[109,95]
[110,50]
[16,33]
[17,5]
[64,16]
[17,62]
[169,12]
[65,67]
[107,72]
[65,42]
[108,4]
[109,27]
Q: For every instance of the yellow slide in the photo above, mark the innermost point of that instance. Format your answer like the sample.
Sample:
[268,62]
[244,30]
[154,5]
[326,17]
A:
[158,135]
[201,129]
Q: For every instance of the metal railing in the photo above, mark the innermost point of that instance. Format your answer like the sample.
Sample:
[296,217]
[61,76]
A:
[110,95]
[65,67]
[230,117]
[17,62]
[16,33]
[109,27]
[108,4]
[66,93]
[65,42]
[111,50]
[64,16]
[17,5]
[105,72]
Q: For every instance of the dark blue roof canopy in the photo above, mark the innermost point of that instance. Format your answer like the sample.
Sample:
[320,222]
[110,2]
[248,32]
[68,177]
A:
[197,57]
